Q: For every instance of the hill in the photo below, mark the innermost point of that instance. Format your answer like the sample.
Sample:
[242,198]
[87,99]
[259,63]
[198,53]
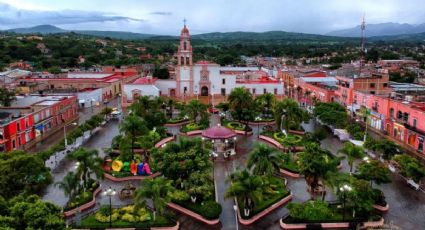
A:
[42,29]
[381,29]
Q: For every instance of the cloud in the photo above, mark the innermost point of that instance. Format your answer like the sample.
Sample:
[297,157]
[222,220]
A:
[161,13]
[12,16]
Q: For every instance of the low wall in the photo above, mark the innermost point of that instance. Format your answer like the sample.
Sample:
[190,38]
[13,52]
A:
[176,227]
[120,179]
[192,214]
[249,133]
[85,206]
[177,124]
[164,141]
[368,224]
[296,132]
[264,212]
[262,122]
[271,141]
[381,208]
[290,174]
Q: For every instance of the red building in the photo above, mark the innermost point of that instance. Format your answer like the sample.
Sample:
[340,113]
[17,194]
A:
[31,119]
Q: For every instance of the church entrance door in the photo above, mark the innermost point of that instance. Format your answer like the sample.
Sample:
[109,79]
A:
[204,91]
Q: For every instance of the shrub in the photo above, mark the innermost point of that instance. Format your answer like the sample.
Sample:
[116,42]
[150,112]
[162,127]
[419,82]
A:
[210,210]
[310,211]
[235,125]
[105,219]
[130,218]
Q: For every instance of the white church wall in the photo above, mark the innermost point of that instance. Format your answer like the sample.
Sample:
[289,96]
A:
[165,85]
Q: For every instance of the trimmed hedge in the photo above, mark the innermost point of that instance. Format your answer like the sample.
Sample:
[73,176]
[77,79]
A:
[210,209]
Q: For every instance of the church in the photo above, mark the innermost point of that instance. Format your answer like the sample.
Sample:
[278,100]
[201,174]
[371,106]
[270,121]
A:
[202,80]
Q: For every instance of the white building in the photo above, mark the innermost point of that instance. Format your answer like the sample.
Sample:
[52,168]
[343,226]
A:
[202,80]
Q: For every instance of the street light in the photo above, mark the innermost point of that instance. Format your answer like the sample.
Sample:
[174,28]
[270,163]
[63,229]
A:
[64,131]
[110,193]
[344,189]
[236,216]
[257,119]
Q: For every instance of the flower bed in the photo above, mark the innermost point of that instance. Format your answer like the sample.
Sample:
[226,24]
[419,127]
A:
[125,218]
[84,206]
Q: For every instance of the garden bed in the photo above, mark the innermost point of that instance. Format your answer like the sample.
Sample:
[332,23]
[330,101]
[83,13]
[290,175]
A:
[125,218]
[176,122]
[236,125]
[68,212]
[330,225]
[191,127]
[84,196]
[194,214]
[295,142]
[126,177]
[268,201]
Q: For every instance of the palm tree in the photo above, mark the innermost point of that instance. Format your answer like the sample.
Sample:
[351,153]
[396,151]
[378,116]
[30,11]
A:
[314,164]
[170,106]
[249,188]
[292,112]
[159,190]
[88,163]
[353,152]
[241,104]
[264,160]
[69,184]
[199,185]
[133,126]
[265,102]
[194,108]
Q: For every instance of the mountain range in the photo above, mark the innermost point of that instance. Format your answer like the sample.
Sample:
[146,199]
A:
[381,29]
[375,32]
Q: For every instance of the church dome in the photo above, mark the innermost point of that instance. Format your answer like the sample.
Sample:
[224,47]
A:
[185,30]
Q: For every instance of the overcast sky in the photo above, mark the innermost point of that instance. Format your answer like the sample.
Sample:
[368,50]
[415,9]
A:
[166,16]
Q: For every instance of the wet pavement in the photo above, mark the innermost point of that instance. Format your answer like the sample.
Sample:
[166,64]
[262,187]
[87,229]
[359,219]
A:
[407,207]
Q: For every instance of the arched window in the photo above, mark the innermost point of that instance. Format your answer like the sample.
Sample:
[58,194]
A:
[187,61]
[182,61]
[184,46]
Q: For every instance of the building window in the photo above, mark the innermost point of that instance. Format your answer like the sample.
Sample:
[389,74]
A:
[399,115]
[184,46]
[414,122]
[223,81]
[385,85]
[223,92]
[395,132]
[372,92]
[275,91]
[264,91]
[391,112]
[187,61]
[253,91]
[406,117]
[181,60]
[13,144]
[18,126]
[372,85]
[185,90]
[420,144]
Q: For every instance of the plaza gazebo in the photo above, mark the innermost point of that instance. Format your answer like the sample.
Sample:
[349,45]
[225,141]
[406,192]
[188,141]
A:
[223,140]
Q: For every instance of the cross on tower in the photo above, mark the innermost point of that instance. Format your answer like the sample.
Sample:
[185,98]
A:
[184,21]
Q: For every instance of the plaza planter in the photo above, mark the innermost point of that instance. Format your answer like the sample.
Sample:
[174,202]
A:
[83,207]
[290,174]
[336,225]
[249,133]
[192,214]
[129,178]
[266,211]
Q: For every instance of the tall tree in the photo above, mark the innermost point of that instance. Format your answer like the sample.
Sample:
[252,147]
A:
[6,97]
[194,108]
[69,184]
[89,163]
[159,190]
[265,160]
[265,102]
[352,152]
[292,113]
[314,164]
[133,126]
[241,104]
[246,187]
[373,171]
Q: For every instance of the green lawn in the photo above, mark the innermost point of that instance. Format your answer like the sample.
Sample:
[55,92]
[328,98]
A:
[210,209]
[268,199]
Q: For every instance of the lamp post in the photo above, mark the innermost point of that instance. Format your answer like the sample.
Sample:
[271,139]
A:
[110,193]
[257,119]
[283,89]
[64,131]
[236,216]
[344,189]
[281,120]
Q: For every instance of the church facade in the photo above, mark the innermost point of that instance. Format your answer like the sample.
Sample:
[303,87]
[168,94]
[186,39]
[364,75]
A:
[202,80]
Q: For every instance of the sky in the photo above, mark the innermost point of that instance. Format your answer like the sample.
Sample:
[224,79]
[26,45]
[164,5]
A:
[166,16]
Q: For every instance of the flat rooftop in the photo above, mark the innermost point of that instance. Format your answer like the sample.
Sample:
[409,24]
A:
[26,101]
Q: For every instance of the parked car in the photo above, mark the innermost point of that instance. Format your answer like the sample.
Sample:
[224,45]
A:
[213,110]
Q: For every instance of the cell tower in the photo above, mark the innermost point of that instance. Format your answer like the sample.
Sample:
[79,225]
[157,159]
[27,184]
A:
[362,44]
